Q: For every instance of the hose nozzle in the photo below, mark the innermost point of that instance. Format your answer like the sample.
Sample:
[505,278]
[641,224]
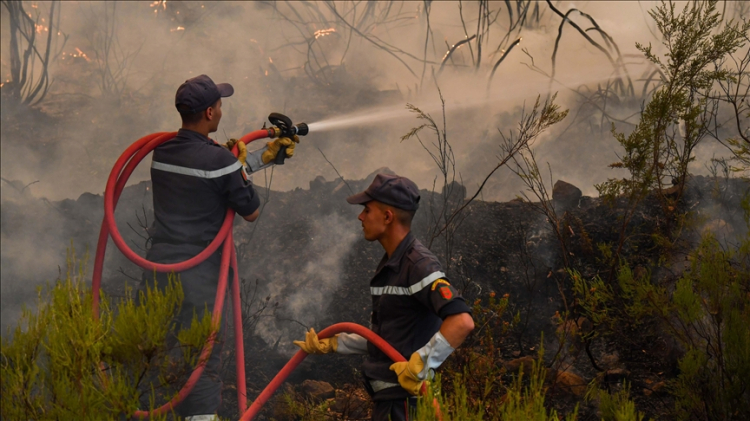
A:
[286,126]
[301,129]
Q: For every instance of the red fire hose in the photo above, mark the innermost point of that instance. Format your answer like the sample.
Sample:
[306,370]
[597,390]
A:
[300,355]
[115,183]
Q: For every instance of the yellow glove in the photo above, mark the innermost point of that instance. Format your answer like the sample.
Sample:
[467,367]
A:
[230,144]
[313,345]
[273,148]
[407,374]
[241,147]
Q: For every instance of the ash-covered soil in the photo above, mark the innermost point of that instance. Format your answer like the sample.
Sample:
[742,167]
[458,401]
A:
[305,264]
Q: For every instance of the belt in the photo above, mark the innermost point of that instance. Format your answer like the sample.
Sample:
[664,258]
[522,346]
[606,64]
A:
[378,385]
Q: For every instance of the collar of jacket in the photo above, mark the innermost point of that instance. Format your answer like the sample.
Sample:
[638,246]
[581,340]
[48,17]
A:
[188,134]
[395,261]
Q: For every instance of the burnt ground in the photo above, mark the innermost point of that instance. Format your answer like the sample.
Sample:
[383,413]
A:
[304,264]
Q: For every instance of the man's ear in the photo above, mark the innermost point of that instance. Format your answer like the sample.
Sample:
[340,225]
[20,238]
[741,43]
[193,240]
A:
[209,113]
[389,216]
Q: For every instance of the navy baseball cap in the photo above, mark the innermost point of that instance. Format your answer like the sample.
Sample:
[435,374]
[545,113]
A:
[399,192]
[199,93]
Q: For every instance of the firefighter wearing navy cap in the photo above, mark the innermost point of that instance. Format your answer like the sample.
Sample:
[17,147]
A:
[194,180]
[414,306]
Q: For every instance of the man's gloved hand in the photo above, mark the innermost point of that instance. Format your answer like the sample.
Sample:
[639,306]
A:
[408,374]
[241,147]
[230,144]
[273,148]
[313,345]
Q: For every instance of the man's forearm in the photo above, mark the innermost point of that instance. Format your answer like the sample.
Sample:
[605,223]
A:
[453,332]
[456,328]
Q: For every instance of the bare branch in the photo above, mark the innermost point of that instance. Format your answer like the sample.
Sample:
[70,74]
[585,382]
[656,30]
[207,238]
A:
[489,80]
[337,171]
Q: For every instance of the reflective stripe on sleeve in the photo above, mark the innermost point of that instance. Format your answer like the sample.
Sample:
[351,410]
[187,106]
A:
[393,290]
[195,172]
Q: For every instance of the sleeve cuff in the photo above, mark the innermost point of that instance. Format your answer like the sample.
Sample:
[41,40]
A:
[351,343]
[250,207]
[433,354]
[453,307]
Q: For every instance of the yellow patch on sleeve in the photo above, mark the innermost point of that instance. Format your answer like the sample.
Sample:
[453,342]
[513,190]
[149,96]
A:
[438,282]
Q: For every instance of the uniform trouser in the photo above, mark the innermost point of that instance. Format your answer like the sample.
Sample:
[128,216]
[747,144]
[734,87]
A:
[199,286]
[394,410]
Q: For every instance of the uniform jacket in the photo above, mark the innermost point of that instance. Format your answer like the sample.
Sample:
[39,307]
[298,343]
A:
[410,298]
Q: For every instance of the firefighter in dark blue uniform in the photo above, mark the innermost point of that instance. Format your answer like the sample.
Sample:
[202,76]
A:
[414,307]
[194,180]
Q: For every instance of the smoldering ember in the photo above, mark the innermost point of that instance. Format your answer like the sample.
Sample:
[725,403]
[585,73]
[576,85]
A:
[580,247]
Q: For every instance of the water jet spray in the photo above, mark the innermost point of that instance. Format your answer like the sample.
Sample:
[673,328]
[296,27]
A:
[375,115]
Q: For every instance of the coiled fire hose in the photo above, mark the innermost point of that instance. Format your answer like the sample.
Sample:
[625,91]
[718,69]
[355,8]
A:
[118,177]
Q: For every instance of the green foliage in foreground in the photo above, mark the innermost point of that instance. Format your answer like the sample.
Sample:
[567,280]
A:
[617,406]
[524,400]
[61,362]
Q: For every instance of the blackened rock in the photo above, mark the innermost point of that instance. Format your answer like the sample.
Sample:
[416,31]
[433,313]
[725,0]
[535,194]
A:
[317,184]
[90,200]
[566,195]
[381,170]
[318,391]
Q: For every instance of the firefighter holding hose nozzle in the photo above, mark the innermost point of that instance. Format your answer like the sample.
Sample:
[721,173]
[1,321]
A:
[414,307]
[194,181]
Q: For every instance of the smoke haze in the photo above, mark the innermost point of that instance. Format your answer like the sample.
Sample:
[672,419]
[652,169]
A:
[322,63]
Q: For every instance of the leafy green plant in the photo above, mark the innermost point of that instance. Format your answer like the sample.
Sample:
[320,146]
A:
[713,314]
[477,365]
[616,406]
[297,407]
[708,312]
[524,399]
[64,362]
[680,113]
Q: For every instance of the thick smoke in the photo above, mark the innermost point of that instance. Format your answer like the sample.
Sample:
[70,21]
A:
[301,59]
[303,290]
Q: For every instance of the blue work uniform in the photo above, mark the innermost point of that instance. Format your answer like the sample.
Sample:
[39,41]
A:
[194,181]
[411,297]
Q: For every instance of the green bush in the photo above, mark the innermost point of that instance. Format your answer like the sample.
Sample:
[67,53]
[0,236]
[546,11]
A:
[707,312]
[712,305]
[617,406]
[62,362]
[524,399]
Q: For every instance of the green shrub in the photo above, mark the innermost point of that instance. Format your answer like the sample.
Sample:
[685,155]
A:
[707,311]
[617,406]
[297,407]
[713,314]
[524,400]
[62,362]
